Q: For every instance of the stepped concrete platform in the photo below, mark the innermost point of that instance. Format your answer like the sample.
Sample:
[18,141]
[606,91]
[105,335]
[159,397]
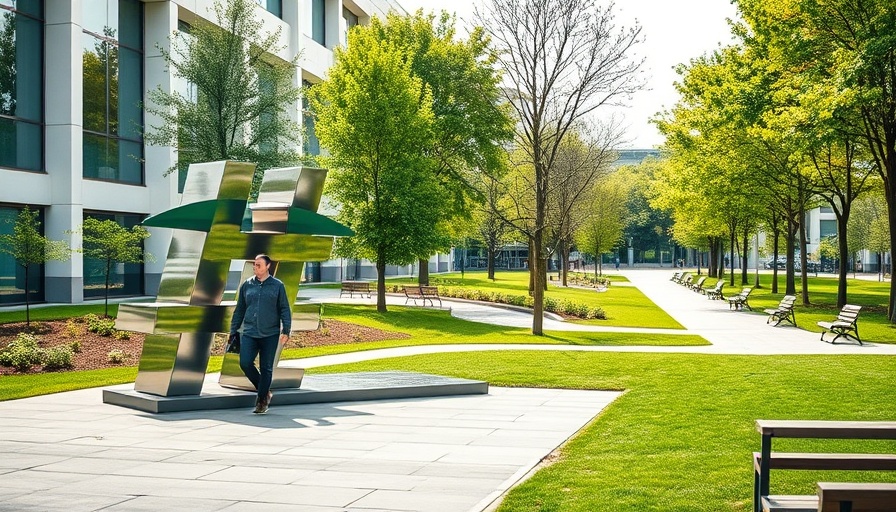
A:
[337,387]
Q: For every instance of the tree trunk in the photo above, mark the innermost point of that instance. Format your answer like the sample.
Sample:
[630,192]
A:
[27,302]
[790,283]
[538,295]
[491,261]
[804,261]
[108,271]
[532,267]
[776,247]
[732,240]
[745,250]
[843,264]
[423,273]
[564,262]
[381,281]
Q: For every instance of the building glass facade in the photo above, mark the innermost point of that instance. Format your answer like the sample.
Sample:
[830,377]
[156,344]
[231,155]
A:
[126,279]
[12,275]
[112,52]
[21,84]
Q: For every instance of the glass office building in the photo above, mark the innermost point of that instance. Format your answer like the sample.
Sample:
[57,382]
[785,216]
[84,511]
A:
[73,78]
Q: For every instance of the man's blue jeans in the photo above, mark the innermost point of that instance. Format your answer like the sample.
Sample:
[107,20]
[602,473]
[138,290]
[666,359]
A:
[265,349]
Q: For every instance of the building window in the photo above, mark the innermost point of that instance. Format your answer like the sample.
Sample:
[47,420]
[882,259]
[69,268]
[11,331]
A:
[351,20]
[318,21]
[112,45]
[274,7]
[310,146]
[126,279]
[21,85]
[827,228]
[12,275]
[826,209]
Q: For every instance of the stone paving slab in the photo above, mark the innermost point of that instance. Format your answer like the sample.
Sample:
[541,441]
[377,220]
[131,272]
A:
[424,454]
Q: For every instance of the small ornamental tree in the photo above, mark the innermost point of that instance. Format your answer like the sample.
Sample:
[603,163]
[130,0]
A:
[111,243]
[29,248]
[243,94]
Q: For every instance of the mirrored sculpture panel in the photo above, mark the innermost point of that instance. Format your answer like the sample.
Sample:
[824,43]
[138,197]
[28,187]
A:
[215,225]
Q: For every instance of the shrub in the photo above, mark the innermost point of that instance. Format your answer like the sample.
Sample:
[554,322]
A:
[73,329]
[115,356]
[58,358]
[99,325]
[121,335]
[75,346]
[22,353]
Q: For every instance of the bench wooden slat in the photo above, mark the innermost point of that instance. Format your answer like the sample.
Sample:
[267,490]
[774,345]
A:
[823,429]
[832,461]
[788,503]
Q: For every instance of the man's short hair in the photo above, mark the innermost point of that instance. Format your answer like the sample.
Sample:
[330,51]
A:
[266,258]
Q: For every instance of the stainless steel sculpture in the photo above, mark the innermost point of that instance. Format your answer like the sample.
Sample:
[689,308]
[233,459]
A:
[212,227]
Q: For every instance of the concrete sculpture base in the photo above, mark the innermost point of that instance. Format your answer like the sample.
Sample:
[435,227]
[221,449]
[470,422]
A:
[337,387]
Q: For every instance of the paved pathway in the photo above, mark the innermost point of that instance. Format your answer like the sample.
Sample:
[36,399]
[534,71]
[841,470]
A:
[71,452]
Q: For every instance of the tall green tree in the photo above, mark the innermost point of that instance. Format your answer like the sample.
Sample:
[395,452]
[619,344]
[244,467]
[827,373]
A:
[30,248]
[375,118]
[243,93]
[603,227]
[563,60]
[111,244]
[469,124]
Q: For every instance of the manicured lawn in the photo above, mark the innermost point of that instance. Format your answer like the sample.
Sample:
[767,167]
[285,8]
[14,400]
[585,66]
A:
[871,295]
[681,436]
[625,306]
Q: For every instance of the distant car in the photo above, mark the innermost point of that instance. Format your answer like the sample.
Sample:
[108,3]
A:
[780,263]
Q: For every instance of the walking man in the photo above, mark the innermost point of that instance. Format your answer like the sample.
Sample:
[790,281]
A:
[263,312]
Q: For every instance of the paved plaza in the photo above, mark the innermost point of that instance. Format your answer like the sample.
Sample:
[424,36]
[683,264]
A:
[69,451]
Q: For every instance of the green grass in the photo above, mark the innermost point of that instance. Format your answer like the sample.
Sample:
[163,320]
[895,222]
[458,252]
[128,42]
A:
[43,313]
[625,306]
[680,437]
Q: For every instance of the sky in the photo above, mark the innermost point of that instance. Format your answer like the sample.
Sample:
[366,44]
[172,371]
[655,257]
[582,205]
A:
[674,32]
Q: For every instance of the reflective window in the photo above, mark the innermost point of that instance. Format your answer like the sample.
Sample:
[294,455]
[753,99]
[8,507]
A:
[21,84]
[274,7]
[311,145]
[126,279]
[318,21]
[12,275]
[112,49]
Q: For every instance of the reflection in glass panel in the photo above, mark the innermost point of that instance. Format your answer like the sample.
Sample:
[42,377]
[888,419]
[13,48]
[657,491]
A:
[97,161]
[130,24]
[318,19]
[12,275]
[21,89]
[95,16]
[33,8]
[20,144]
[94,80]
[130,156]
[125,279]
[27,72]
[130,89]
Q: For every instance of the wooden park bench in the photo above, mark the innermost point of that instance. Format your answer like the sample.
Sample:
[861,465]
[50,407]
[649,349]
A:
[766,460]
[715,293]
[352,287]
[686,281]
[675,277]
[681,277]
[845,324]
[740,300]
[423,293]
[698,286]
[784,311]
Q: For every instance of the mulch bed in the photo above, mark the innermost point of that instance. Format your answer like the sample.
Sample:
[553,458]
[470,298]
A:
[95,349]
